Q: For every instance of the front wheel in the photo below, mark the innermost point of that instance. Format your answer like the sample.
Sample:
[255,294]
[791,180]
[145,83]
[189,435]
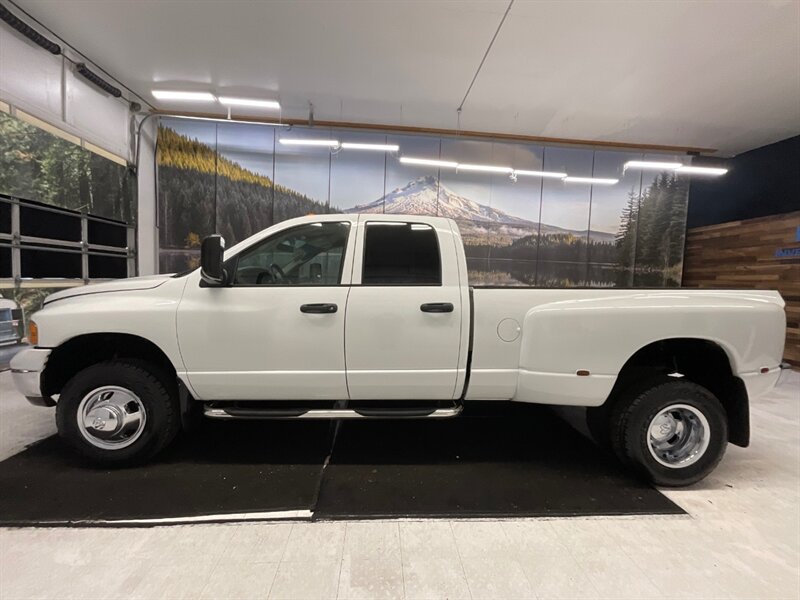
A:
[675,432]
[117,412]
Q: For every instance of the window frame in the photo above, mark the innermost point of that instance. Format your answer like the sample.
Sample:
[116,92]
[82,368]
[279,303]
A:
[406,284]
[234,260]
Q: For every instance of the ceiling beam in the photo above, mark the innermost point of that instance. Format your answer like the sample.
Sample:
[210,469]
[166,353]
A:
[507,137]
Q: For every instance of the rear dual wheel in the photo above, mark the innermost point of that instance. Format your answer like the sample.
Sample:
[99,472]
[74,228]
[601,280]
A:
[674,432]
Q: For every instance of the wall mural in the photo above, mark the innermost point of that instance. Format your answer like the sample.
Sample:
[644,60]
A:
[37,165]
[237,179]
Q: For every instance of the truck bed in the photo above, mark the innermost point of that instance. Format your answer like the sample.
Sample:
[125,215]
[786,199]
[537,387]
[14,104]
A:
[567,346]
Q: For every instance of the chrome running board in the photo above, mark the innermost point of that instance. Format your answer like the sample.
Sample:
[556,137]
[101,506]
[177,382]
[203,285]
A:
[239,412]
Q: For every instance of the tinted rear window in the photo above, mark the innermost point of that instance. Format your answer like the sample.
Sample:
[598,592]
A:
[401,254]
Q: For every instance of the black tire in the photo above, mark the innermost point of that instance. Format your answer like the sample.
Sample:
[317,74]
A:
[630,431]
[616,417]
[153,390]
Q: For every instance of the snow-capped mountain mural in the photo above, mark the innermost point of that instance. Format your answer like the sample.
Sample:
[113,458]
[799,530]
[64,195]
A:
[425,196]
[477,222]
[234,180]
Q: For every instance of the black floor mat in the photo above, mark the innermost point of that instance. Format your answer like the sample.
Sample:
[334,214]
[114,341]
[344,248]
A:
[227,467]
[517,460]
[504,461]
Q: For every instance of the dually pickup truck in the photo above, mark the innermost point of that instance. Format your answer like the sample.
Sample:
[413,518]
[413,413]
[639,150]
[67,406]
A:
[371,316]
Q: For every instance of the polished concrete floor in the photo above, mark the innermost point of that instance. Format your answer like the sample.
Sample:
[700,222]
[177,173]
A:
[741,539]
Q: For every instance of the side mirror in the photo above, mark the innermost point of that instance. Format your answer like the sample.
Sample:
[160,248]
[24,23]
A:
[211,252]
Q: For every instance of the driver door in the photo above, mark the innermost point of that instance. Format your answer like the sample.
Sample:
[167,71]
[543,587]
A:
[276,332]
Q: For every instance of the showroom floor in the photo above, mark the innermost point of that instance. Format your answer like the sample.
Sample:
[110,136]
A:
[741,539]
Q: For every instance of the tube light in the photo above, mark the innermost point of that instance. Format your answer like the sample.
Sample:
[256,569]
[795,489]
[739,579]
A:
[702,170]
[540,174]
[597,180]
[224,120]
[302,142]
[190,96]
[408,160]
[228,101]
[647,164]
[377,147]
[484,168]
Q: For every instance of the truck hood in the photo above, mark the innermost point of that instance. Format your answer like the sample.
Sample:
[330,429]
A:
[122,285]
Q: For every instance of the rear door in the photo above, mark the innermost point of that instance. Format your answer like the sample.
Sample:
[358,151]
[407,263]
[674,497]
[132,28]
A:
[403,326]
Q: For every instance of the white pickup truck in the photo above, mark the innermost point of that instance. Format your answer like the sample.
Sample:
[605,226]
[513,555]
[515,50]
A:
[342,316]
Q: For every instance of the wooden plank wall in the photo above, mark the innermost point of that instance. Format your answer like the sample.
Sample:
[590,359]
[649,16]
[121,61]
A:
[741,254]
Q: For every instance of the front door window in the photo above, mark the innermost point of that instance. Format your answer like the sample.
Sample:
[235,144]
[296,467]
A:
[311,254]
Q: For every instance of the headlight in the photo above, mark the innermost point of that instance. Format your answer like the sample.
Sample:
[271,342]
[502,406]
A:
[33,334]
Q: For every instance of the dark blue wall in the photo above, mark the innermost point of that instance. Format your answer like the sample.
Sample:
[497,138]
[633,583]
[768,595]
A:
[761,182]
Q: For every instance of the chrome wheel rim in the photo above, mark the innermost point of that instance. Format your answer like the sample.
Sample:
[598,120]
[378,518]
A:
[111,417]
[678,436]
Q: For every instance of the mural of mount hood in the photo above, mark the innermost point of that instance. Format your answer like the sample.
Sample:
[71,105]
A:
[235,180]
[478,223]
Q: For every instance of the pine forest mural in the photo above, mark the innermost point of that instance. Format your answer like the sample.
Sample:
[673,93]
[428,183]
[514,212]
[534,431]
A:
[236,179]
[37,165]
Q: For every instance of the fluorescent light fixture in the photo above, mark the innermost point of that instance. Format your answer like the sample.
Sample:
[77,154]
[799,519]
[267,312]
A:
[484,168]
[376,147]
[190,96]
[647,164]
[302,142]
[597,180]
[228,101]
[224,120]
[540,174]
[428,162]
[702,170]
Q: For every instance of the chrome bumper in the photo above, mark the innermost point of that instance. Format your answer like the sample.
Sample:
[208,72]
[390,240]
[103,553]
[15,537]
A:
[26,371]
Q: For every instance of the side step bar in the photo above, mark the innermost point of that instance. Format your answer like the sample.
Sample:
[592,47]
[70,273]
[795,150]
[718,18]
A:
[239,412]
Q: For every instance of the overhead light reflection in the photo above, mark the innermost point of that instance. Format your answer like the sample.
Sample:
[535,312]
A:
[428,162]
[376,147]
[647,164]
[702,170]
[540,174]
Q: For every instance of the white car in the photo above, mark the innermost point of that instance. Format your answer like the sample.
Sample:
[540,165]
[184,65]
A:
[341,316]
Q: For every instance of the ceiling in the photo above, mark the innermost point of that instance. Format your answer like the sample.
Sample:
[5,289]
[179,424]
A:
[714,74]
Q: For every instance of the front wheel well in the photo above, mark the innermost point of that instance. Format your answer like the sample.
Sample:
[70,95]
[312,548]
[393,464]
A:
[701,361]
[82,351]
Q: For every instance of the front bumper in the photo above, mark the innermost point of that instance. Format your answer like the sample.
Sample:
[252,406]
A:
[26,371]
